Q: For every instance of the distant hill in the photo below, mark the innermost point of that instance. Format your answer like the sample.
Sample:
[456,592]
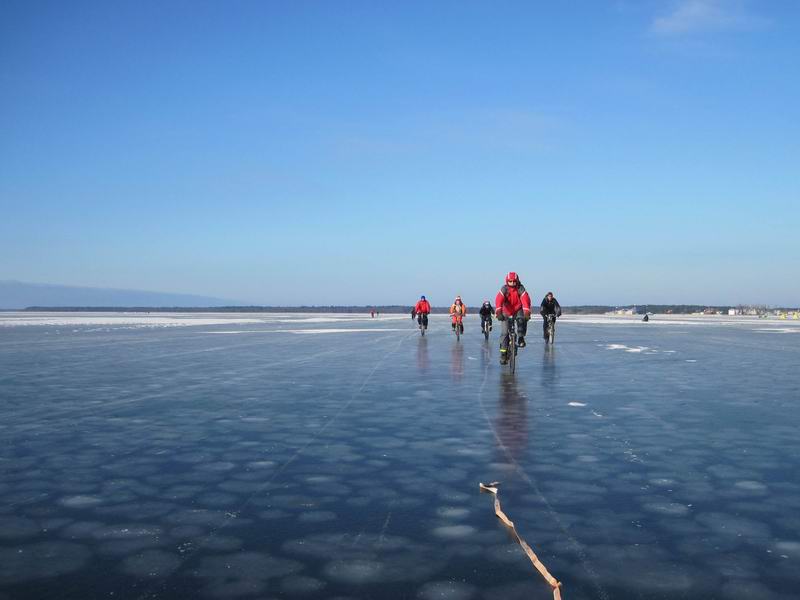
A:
[18,294]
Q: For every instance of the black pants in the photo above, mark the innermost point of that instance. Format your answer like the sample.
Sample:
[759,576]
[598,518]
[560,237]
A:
[522,327]
[486,319]
[422,319]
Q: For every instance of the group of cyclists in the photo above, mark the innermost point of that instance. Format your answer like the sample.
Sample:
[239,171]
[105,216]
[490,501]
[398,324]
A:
[512,304]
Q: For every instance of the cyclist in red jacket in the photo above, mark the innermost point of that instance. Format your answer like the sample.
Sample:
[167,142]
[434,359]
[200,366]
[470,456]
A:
[512,302]
[421,311]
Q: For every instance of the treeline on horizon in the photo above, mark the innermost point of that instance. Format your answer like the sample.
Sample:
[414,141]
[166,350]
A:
[587,309]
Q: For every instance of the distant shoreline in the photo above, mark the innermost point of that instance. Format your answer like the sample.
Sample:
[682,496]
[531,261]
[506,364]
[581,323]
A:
[638,309]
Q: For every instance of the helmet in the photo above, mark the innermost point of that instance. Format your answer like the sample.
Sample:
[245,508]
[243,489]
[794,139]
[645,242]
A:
[458,298]
[512,276]
[486,302]
[422,297]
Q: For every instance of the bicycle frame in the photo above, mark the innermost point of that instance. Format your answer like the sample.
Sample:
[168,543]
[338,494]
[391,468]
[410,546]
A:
[421,323]
[458,320]
[551,327]
[512,344]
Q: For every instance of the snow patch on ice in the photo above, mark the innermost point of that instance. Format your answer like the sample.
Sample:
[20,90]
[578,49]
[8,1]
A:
[630,348]
[317,331]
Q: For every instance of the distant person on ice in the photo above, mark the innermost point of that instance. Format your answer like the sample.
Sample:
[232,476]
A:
[513,302]
[457,311]
[549,306]
[421,311]
[486,313]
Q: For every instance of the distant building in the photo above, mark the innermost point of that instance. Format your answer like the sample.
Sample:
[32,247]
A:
[732,312]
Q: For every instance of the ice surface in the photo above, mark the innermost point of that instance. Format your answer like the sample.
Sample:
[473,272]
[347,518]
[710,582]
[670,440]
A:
[338,456]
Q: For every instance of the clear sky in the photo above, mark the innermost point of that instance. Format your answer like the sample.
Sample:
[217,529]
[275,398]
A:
[367,152]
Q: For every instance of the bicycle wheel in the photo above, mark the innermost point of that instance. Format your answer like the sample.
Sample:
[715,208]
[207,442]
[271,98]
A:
[486,330]
[551,331]
[512,351]
[458,331]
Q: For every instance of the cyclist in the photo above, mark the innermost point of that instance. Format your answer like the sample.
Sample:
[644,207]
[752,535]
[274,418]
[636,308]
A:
[457,311]
[513,302]
[486,313]
[549,306]
[421,311]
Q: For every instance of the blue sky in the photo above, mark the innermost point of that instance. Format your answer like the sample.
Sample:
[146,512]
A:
[362,152]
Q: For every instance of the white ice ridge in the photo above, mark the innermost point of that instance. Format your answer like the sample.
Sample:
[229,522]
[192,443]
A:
[166,319]
[334,330]
[307,331]
[116,320]
[627,348]
[658,319]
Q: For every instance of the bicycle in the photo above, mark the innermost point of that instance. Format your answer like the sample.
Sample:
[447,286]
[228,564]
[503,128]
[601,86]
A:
[512,344]
[486,327]
[459,328]
[550,319]
[422,321]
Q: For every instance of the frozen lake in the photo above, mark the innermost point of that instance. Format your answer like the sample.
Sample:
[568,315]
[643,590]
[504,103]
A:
[338,456]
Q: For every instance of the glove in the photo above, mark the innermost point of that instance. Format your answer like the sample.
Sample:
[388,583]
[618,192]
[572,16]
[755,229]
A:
[527,314]
[498,314]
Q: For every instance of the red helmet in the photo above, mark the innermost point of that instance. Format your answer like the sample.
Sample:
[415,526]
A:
[512,276]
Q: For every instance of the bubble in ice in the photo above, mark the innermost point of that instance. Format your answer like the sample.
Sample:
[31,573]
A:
[745,590]
[302,585]
[181,492]
[576,404]
[452,512]
[80,501]
[192,457]
[316,516]
[196,517]
[233,588]
[17,527]
[447,590]
[261,464]
[220,466]
[215,499]
[52,524]
[587,458]
[672,509]
[790,547]
[127,547]
[734,526]
[364,558]
[246,566]
[356,571]
[752,486]
[453,531]
[273,515]
[138,510]
[222,543]
[30,562]
[242,487]
[81,529]
[663,482]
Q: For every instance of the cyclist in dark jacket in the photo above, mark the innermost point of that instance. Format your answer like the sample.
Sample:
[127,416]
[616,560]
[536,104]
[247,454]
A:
[549,306]
[486,313]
